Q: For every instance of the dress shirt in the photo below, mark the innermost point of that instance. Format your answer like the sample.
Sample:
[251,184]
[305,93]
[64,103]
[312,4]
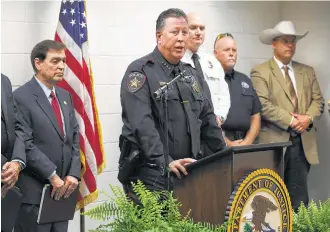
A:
[214,76]
[290,70]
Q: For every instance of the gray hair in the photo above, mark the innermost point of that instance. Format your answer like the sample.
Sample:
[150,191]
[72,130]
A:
[169,13]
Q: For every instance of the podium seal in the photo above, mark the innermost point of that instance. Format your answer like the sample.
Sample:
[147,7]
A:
[260,203]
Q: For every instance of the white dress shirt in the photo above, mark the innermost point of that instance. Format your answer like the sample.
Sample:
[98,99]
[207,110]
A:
[290,71]
[215,78]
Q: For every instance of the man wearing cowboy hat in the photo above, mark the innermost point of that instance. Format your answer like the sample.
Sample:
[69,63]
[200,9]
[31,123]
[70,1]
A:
[291,101]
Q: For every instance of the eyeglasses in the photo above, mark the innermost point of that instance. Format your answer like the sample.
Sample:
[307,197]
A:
[222,35]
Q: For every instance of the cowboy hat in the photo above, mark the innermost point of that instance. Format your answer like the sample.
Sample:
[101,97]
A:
[282,28]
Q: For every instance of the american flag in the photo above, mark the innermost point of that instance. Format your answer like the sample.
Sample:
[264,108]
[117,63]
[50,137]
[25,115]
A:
[78,80]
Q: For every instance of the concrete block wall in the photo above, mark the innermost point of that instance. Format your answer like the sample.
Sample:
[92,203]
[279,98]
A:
[121,31]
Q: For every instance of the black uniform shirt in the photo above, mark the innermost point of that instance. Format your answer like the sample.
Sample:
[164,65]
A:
[190,114]
[244,102]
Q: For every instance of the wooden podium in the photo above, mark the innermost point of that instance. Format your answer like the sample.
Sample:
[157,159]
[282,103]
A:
[210,181]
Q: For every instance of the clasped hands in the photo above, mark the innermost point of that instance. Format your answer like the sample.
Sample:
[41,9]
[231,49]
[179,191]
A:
[300,122]
[63,188]
[9,176]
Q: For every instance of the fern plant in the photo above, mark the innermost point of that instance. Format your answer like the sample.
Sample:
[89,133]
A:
[159,213]
[314,218]
[248,228]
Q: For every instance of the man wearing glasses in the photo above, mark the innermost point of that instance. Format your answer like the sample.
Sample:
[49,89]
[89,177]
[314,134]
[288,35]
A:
[292,100]
[243,121]
[207,67]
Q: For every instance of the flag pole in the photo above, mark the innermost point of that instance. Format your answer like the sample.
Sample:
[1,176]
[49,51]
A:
[82,219]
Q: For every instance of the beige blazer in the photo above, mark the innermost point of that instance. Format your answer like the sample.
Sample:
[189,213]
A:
[274,96]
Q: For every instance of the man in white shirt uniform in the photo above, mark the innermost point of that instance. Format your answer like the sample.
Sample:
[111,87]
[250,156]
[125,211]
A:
[207,67]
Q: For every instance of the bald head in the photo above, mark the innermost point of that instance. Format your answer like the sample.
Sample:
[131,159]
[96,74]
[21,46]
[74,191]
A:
[225,51]
[196,31]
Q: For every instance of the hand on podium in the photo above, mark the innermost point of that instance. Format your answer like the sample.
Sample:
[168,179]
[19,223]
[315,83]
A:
[178,166]
[233,143]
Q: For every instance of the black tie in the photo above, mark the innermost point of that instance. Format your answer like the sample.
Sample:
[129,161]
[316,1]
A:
[198,66]
[228,77]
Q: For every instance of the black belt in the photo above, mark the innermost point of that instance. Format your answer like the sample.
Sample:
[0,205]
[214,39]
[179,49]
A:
[235,134]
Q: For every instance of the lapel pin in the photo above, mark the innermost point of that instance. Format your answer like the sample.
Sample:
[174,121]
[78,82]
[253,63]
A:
[64,102]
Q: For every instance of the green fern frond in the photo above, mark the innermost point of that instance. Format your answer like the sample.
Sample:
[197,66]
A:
[103,211]
[97,230]
[102,228]
[314,218]
[158,212]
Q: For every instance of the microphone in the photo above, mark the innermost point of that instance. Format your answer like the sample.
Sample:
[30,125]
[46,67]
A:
[178,74]
[184,78]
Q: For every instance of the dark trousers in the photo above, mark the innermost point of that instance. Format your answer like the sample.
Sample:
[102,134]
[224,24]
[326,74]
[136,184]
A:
[152,180]
[296,169]
[27,221]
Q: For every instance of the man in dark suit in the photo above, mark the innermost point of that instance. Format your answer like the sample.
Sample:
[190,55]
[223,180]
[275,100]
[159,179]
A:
[52,137]
[12,142]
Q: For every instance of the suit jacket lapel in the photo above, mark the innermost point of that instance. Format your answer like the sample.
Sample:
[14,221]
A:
[279,77]
[7,109]
[4,105]
[44,104]
[299,80]
[64,107]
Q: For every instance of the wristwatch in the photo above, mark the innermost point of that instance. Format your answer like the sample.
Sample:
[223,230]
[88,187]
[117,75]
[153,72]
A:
[20,167]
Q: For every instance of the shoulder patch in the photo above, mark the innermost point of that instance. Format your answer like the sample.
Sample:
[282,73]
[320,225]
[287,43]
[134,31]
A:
[245,85]
[135,81]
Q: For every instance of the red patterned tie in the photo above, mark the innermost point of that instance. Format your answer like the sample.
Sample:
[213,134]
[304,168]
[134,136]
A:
[57,111]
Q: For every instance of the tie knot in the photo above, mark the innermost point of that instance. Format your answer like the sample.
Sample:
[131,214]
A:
[52,94]
[195,56]
[176,70]
[286,69]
